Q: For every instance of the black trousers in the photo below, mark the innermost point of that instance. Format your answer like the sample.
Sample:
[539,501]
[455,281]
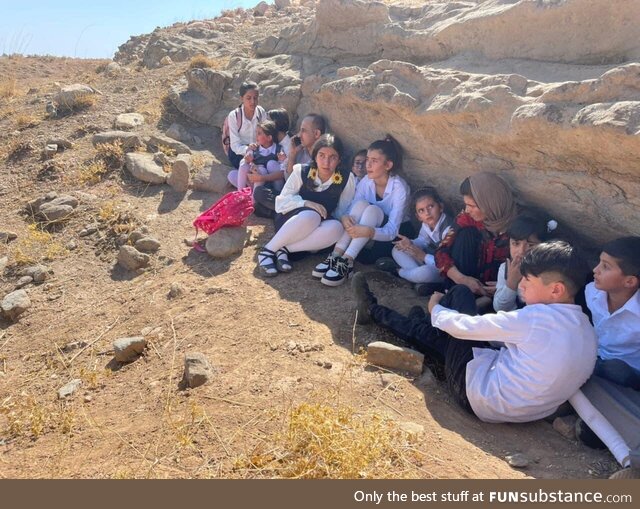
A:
[379,249]
[234,158]
[264,198]
[436,344]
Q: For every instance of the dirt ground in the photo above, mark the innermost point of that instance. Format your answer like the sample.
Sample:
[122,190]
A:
[274,343]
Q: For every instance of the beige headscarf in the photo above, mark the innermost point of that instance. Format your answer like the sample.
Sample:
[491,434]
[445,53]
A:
[494,197]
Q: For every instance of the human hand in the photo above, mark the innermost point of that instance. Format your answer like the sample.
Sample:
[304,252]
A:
[358,231]
[490,288]
[317,207]
[281,156]
[435,299]
[513,272]
[417,253]
[255,177]
[403,244]
[253,146]
[474,285]
[249,156]
[347,221]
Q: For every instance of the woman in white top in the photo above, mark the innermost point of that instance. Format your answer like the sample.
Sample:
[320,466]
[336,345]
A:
[309,208]
[242,123]
[378,210]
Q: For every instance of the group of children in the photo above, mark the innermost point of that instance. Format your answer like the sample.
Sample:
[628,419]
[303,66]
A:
[513,343]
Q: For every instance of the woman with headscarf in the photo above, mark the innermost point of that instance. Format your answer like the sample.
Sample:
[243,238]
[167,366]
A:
[474,248]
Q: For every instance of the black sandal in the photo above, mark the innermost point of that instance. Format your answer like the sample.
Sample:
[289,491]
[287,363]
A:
[282,260]
[268,269]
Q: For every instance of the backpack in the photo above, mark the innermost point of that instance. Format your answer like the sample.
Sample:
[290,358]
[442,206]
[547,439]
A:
[226,139]
[230,210]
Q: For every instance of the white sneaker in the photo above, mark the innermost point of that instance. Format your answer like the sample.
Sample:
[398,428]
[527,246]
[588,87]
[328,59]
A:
[339,273]
[321,269]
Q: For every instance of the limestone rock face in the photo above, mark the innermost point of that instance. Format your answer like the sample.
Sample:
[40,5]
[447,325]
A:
[546,93]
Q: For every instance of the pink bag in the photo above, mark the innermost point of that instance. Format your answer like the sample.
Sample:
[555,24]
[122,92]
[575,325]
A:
[230,210]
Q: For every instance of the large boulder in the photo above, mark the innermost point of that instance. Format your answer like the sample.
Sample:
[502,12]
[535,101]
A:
[128,121]
[143,167]
[74,96]
[212,178]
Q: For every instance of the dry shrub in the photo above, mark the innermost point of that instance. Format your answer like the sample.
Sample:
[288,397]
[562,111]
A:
[92,173]
[28,417]
[167,151]
[37,245]
[8,88]
[112,154]
[201,62]
[198,162]
[84,102]
[15,150]
[325,442]
[25,120]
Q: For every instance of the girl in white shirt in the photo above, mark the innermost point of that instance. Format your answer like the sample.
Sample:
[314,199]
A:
[377,212]
[262,161]
[415,257]
[309,207]
[242,123]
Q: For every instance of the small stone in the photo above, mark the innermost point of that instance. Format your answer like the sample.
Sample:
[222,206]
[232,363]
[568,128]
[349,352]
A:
[89,230]
[324,364]
[23,281]
[390,380]
[72,245]
[74,345]
[566,426]
[88,398]
[68,390]
[147,245]
[128,121]
[144,168]
[128,349]
[4,261]
[176,290]
[226,242]
[161,158]
[14,304]
[39,273]
[391,356]
[6,237]
[180,174]
[50,150]
[62,143]
[197,370]
[166,60]
[132,259]
[292,345]
[517,460]
[54,213]
[136,235]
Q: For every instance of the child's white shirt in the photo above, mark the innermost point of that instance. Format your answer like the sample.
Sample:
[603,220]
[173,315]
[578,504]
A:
[550,351]
[505,299]
[289,198]
[393,204]
[427,236]
[239,140]
[265,151]
[618,332]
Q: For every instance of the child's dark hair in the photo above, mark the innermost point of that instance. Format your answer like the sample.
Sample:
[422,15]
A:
[626,251]
[281,118]
[526,225]
[465,187]
[391,150]
[427,192]
[317,121]
[557,257]
[359,153]
[269,128]
[248,85]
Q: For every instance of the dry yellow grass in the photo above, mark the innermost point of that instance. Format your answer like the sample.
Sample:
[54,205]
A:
[26,120]
[8,88]
[112,154]
[37,245]
[167,151]
[91,173]
[200,62]
[28,417]
[322,441]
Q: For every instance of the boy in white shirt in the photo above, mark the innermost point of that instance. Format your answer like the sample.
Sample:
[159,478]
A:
[614,301]
[550,346]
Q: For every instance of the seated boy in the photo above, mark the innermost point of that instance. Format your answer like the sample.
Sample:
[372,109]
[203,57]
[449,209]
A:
[614,301]
[550,346]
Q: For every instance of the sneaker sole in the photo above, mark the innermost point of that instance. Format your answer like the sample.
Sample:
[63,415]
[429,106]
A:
[318,274]
[329,282]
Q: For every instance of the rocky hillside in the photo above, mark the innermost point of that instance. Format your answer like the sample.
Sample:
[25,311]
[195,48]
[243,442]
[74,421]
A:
[545,92]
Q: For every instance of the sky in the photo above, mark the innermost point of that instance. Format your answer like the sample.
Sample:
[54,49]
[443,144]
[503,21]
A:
[93,28]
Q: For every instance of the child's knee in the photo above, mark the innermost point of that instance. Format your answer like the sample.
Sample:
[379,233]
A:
[358,208]
[273,167]
[372,216]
